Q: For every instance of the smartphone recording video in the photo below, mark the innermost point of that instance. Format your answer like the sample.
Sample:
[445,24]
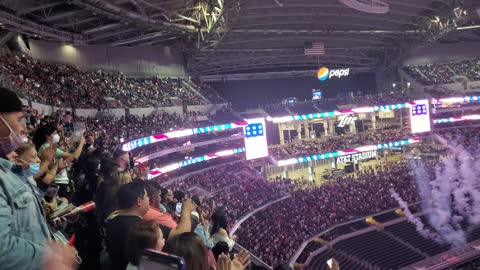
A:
[51,192]
[154,260]
[178,209]
[330,262]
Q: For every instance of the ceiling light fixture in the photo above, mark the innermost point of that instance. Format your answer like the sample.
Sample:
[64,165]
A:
[368,6]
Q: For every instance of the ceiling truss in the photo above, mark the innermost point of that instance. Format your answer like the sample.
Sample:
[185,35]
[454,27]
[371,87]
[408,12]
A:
[222,37]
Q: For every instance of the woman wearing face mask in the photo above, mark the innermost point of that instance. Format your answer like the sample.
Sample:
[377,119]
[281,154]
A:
[45,137]
[28,158]
[45,170]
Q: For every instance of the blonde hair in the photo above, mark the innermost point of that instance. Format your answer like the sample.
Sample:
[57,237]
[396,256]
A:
[24,148]
[122,178]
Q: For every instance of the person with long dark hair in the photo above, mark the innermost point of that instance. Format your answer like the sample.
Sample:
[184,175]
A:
[44,137]
[219,231]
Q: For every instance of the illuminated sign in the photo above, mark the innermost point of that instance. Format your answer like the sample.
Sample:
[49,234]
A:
[357,157]
[316,94]
[324,73]
[318,115]
[179,134]
[255,139]
[453,100]
[420,116]
[175,166]
[457,119]
[420,109]
[336,154]
[346,120]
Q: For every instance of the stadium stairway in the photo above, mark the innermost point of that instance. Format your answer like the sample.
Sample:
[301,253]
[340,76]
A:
[373,245]
[405,243]
[289,111]
[406,232]
[189,86]
[345,261]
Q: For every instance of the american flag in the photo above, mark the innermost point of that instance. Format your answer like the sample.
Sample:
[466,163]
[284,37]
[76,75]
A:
[314,48]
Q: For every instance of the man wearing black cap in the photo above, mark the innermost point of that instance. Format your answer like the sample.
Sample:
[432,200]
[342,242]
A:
[23,229]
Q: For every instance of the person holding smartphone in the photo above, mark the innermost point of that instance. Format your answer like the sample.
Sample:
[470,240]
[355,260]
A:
[44,137]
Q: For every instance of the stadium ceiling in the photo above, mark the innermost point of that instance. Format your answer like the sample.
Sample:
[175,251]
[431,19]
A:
[245,38]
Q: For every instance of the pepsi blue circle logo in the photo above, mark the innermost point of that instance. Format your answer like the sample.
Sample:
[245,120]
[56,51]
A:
[322,73]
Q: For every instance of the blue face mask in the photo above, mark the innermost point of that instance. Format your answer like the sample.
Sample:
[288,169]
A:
[33,169]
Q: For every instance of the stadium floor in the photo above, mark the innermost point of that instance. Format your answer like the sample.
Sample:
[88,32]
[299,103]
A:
[301,175]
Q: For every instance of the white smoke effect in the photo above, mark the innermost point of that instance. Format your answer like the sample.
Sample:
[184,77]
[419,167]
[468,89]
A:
[450,195]
[440,214]
[425,232]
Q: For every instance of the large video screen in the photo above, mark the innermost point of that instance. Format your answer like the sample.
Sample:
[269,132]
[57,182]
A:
[255,139]
[420,116]
[316,94]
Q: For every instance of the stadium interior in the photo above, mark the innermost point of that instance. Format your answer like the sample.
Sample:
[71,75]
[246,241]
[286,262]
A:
[240,134]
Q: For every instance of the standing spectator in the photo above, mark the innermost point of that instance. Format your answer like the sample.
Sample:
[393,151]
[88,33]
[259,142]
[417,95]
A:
[220,231]
[202,229]
[23,229]
[44,137]
[123,161]
[165,219]
[133,203]
[166,196]
[28,158]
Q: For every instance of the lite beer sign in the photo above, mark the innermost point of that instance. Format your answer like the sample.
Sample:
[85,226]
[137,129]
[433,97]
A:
[346,120]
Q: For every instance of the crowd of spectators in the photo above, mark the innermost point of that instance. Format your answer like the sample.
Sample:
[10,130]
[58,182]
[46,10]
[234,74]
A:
[467,138]
[91,169]
[275,233]
[381,99]
[97,169]
[431,74]
[214,179]
[470,68]
[337,143]
[327,105]
[131,127]
[65,85]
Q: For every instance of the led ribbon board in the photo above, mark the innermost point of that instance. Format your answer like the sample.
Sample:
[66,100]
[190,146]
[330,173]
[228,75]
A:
[457,119]
[347,152]
[179,134]
[453,100]
[255,139]
[175,166]
[338,113]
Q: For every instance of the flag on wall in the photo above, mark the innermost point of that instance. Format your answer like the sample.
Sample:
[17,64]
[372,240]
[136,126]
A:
[314,48]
